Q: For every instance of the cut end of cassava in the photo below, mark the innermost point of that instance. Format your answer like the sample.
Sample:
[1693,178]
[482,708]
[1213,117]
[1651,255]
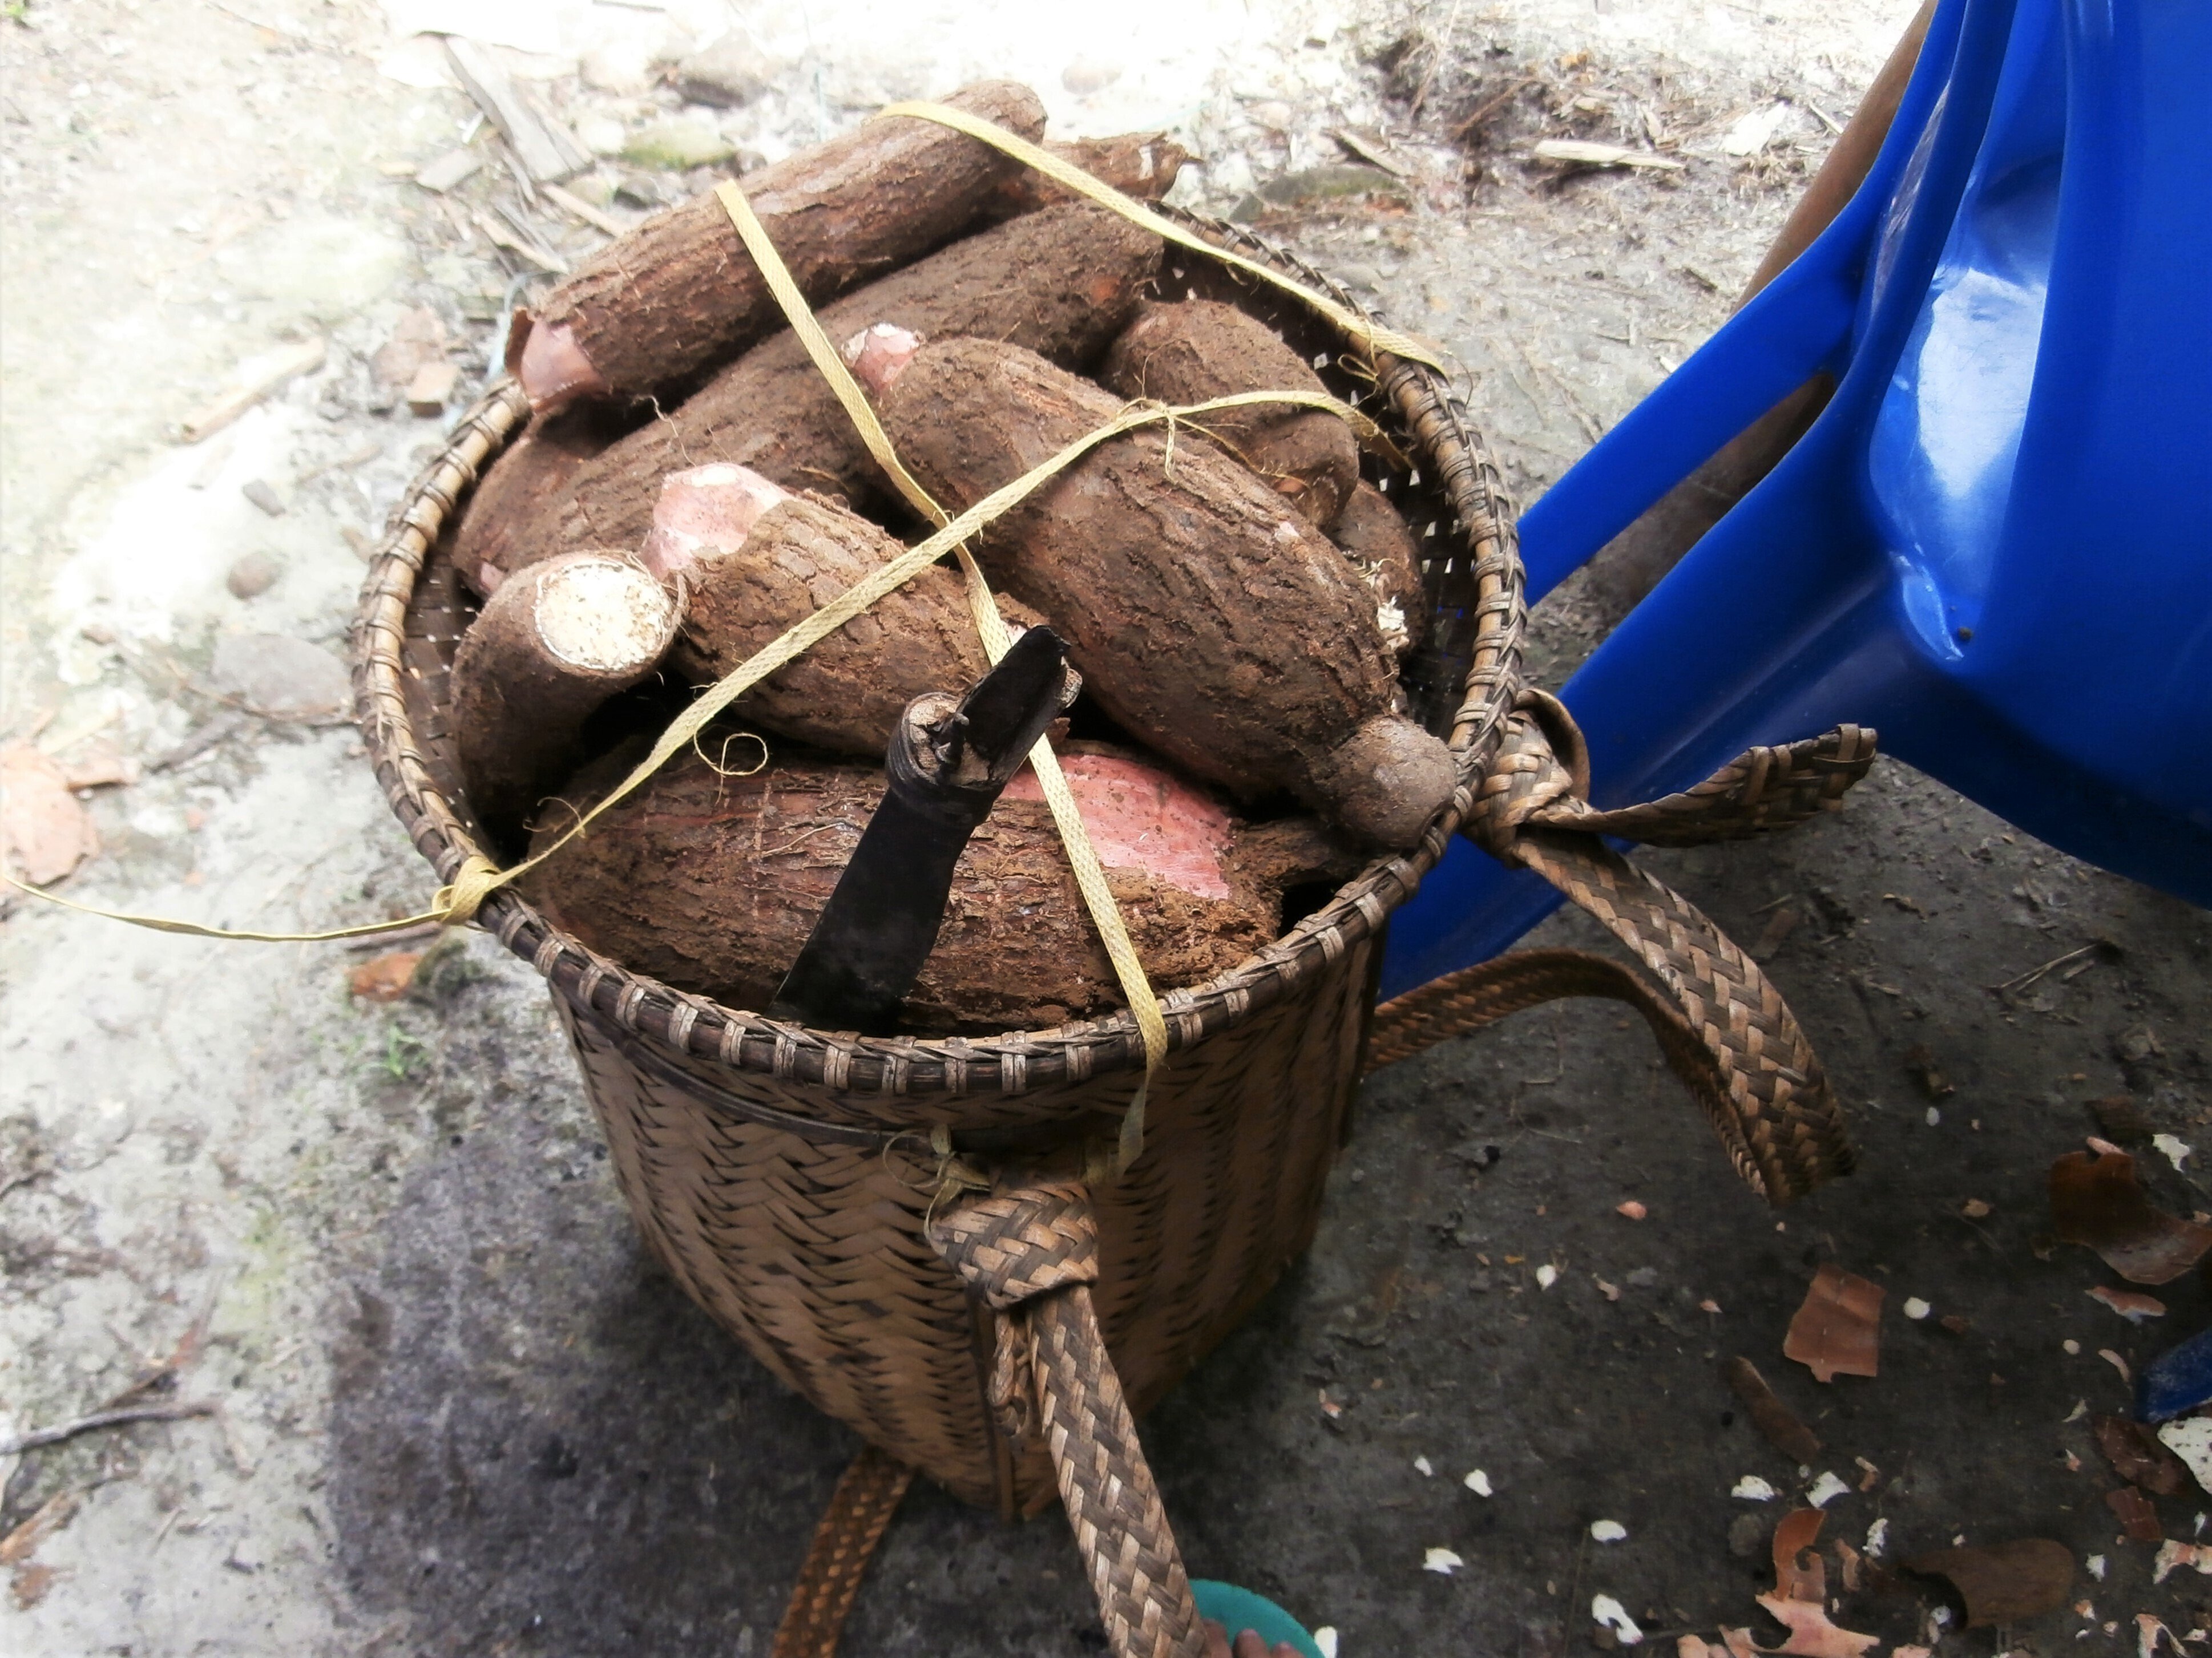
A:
[603,614]
[553,370]
[1387,779]
[879,355]
[705,512]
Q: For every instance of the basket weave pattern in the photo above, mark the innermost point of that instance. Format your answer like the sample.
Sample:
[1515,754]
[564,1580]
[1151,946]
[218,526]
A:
[785,1175]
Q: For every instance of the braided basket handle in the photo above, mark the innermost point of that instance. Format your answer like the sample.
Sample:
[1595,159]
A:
[1032,1253]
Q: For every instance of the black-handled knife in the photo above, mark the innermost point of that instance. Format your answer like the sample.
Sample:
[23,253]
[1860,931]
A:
[945,765]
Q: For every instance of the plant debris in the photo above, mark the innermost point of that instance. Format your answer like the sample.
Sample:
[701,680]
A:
[45,832]
[1580,152]
[2003,1583]
[1611,1616]
[2137,1518]
[385,978]
[2189,1441]
[2129,1304]
[1838,1330]
[2137,1456]
[1443,1561]
[2096,1202]
[1798,1600]
[1776,1423]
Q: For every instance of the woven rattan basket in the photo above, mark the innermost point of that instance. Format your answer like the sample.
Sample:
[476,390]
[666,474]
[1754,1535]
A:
[784,1174]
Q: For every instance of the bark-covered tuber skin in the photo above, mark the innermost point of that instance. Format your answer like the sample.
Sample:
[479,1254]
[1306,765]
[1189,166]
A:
[502,510]
[1143,165]
[551,647]
[1382,548]
[659,309]
[1206,616]
[711,883]
[1061,282]
[756,560]
[1194,350]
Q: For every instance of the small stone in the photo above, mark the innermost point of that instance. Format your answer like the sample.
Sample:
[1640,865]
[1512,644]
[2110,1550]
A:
[1423,1467]
[98,633]
[432,388]
[1631,1210]
[727,74]
[1751,1489]
[1607,1531]
[603,136]
[1915,1309]
[678,146]
[258,491]
[1443,1561]
[1546,1276]
[1747,1535]
[252,576]
[1086,74]
[1478,1482]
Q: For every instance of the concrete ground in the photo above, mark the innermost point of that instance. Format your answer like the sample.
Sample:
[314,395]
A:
[460,1413]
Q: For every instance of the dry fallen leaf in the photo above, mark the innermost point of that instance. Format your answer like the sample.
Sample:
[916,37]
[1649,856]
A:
[28,1585]
[2096,1202]
[2173,1554]
[45,832]
[386,978]
[2137,1455]
[2004,1582]
[1775,1422]
[1838,1331]
[2189,1439]
[98,764]
[2137,1518]
[2130,1304]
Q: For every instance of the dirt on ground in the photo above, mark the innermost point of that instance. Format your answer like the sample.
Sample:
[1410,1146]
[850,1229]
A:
[347,1218]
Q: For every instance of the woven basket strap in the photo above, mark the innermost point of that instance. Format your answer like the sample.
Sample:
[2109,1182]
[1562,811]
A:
[1032,1251]
[1727,1033]
[867,1495]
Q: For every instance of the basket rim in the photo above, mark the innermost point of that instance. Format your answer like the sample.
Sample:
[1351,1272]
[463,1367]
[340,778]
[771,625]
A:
[1015,1062]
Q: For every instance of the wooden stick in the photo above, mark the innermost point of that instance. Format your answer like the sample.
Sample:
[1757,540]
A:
[173,1410]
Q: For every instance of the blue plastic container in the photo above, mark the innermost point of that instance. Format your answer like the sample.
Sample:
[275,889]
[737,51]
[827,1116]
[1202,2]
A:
[1994,545]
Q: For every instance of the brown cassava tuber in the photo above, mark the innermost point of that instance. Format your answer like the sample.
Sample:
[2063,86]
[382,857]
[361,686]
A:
[1206,616]
[1197,350]
[537,466]
[756,560]
[1143,165]
[1061,282]
[550,647]
[1382,548]
[661,308]
[711,883]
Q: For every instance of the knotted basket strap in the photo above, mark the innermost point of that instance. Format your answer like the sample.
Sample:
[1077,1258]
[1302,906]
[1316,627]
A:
[1728,1032]
[1032,1253]
[868,1493]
